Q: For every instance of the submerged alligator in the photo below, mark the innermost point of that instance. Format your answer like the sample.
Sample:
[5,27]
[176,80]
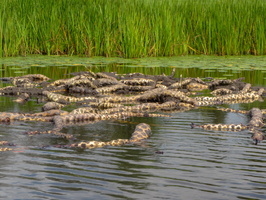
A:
[142,131]
[254,125]
[111,96]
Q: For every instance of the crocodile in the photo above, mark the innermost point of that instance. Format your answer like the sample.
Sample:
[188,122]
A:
[110,89]
[206,100]
[52,106]
[141,132]
[138,82]
[74,119]
[46,116]
[239,111]
[37,91]
[197,87]
[110,108]
[145,107]
[256,116]
[215,103]
[222,127]
[192,84]
[82,90]
[156,95]
[110,96]
[254,125]
[59,98]
[234,84]
[221,92]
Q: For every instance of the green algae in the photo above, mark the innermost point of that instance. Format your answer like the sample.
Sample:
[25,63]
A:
[253,68]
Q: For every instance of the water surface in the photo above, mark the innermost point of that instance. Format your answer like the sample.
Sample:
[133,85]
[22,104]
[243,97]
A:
[195,164]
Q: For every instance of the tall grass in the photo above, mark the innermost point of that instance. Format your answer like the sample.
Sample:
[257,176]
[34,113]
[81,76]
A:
[132,28]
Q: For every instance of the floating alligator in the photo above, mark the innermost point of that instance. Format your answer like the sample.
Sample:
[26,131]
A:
[87,118]
[142,131]
[111,96]
[254,125]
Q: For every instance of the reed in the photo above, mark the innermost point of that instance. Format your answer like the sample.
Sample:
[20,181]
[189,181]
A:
[132,28]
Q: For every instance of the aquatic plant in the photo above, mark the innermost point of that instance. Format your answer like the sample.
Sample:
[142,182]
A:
[132,28]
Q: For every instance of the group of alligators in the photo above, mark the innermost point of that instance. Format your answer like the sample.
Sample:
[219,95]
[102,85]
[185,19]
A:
[111,96]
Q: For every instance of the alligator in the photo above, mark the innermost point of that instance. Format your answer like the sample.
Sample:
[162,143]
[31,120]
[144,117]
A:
[52,106]
[142,131]
[138,81]
[59,98]
[61,121]
[241,96]
[145,107]
[221,92]
[46,116]
[222,127]
[239,111]
[254,125]
[110,96]
[192,84]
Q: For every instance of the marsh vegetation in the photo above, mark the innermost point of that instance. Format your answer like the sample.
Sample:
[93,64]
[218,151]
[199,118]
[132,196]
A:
[132,28]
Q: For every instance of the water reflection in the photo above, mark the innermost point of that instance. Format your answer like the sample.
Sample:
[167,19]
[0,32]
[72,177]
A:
[201,164]
[195,164]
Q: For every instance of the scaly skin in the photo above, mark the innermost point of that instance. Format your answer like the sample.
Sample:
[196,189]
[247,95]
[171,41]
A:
[81,82]
[51,132]
[110,89]
[233,110]
[46,116]
[211,103]
[36,77]
[142,131]
[66,99]
[52,106]
[197,87]
[256,120]
[148,94]
[104,75]
[222,127]
[102,82]
[230,97]
[221,92]
[192,84]
[82,119]
[138,82]
[254,125]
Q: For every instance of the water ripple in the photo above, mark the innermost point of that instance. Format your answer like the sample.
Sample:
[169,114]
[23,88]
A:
[193,164]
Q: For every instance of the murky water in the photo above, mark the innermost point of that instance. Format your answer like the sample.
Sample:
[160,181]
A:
[193,164]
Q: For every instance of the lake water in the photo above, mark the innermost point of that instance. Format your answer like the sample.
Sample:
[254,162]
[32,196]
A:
[194,164]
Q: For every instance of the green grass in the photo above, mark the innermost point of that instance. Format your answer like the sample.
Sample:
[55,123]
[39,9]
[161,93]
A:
[132,28]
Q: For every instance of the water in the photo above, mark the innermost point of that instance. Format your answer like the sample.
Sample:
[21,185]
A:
[191,163]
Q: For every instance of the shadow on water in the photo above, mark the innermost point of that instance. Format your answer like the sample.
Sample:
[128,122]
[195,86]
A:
[177,162]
